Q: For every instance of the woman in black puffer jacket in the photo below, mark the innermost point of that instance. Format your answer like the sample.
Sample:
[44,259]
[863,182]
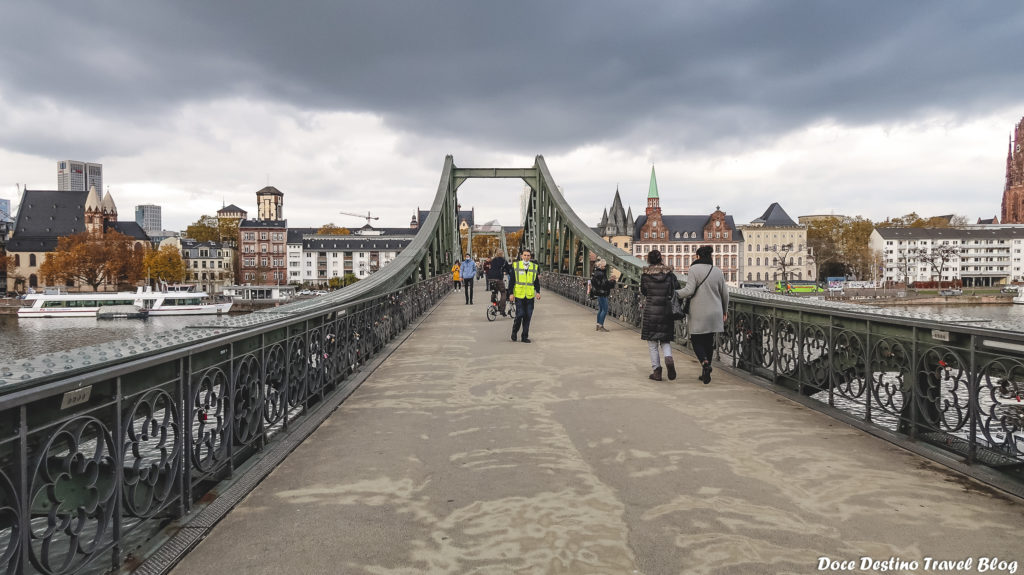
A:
[657,282]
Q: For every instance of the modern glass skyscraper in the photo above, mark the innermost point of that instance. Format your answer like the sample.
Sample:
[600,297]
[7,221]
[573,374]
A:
[5,210]
[148,216]
[74,176]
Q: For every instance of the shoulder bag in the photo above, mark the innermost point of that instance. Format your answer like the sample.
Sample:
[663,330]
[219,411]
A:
[681,306]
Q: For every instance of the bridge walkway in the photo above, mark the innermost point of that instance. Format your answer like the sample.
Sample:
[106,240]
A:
[467,453]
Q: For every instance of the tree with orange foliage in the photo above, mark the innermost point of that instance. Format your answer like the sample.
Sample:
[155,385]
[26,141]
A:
[94,259]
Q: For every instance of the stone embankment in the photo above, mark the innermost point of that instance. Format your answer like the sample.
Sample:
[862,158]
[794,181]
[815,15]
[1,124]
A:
[925,299]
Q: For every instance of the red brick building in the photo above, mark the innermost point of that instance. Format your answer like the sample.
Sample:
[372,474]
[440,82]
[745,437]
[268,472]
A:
[678,237]
[1013,191]
[263,249]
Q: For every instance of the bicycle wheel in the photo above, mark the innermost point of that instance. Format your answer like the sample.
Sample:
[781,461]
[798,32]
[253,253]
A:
[492,312]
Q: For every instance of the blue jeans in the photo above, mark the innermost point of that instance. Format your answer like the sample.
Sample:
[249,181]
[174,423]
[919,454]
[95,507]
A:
[602,308]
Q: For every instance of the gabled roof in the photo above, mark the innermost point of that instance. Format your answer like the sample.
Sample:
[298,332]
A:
[44,216]
[949,233]
[775,217]
[271,190]
[263,224]
[231,209]
[351,243]
[295,234]
[689,228]
[130,229]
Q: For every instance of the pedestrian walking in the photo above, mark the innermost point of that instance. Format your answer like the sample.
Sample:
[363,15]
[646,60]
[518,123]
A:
[657,282]
[601,287]
[455,276]
[525,289]
[468,272]
[709,307]
[496,272]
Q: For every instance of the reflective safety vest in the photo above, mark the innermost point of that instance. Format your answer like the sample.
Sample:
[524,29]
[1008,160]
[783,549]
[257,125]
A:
[525,275]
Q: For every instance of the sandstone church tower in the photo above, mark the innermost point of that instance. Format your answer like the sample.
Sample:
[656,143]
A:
[1013,192]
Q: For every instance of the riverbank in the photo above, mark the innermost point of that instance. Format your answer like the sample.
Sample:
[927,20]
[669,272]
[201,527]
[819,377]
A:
[958,300]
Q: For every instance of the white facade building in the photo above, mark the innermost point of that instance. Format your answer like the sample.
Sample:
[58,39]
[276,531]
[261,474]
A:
[315,259]
[979,256]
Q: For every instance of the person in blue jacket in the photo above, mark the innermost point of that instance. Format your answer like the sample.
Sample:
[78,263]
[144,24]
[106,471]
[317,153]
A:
[468,272]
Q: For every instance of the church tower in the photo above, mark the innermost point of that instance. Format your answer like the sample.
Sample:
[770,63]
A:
[1013,191]
[654,228]
[93,212]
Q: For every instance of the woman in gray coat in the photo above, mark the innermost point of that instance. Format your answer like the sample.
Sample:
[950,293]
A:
[709,307]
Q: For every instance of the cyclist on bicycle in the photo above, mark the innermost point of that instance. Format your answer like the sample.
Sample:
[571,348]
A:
[496,273]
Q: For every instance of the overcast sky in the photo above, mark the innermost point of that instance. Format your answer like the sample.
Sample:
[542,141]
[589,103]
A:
[855,108]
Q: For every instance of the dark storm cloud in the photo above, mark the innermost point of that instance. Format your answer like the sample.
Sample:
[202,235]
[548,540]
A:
[530,76]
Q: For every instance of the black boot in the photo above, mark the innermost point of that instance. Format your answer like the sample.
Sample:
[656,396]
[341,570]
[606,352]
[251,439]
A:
[705,372]
[671,365]
[656,376]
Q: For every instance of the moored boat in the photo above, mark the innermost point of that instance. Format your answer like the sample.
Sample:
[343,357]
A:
[145,300]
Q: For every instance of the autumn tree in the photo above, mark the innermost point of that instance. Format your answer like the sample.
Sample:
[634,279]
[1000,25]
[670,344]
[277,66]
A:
[856,246]
[513,241]
[165,264]
[79,258]
[331,229]
[7,260]
[206,229]
[824,238]
[94,259]
[486,245]
[124,260]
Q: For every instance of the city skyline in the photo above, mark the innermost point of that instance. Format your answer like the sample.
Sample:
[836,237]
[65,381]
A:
[874,110]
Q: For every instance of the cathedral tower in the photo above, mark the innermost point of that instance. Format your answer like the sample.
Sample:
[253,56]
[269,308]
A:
[1013,191]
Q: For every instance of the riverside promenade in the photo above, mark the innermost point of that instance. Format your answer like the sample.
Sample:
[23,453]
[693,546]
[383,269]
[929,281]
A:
[467,453]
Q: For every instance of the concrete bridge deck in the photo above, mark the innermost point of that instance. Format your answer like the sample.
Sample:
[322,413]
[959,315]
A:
[468,453]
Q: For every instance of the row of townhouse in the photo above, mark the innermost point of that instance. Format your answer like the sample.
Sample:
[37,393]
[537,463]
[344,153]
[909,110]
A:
[208,265]
[314,259]
[979,256]
[770,248]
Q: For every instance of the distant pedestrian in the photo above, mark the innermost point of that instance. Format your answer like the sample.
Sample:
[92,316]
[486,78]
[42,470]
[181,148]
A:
[468,272]
[709,307]
[525,289]
[496,272]
[657,282]
[601,287]
[455,276]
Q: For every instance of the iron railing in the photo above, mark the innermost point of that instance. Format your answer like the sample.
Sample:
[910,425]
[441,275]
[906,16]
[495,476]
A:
[95,465]
[957,384]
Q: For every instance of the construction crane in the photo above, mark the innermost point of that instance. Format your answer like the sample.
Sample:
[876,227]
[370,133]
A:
[367,216]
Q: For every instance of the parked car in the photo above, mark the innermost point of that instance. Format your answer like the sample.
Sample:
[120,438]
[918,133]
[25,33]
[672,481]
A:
[1009,289]
[949,292]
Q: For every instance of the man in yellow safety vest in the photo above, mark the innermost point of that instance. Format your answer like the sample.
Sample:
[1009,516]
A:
[525,290]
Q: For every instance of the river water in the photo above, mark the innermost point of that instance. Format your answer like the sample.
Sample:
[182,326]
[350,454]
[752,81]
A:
[30,337]
[23,338]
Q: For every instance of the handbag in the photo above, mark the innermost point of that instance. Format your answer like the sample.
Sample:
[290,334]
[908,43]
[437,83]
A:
[681,306]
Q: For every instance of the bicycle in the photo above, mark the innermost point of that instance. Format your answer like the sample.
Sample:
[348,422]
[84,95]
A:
[492,310]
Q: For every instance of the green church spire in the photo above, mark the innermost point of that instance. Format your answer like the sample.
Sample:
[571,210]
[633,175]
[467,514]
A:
[652,192]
